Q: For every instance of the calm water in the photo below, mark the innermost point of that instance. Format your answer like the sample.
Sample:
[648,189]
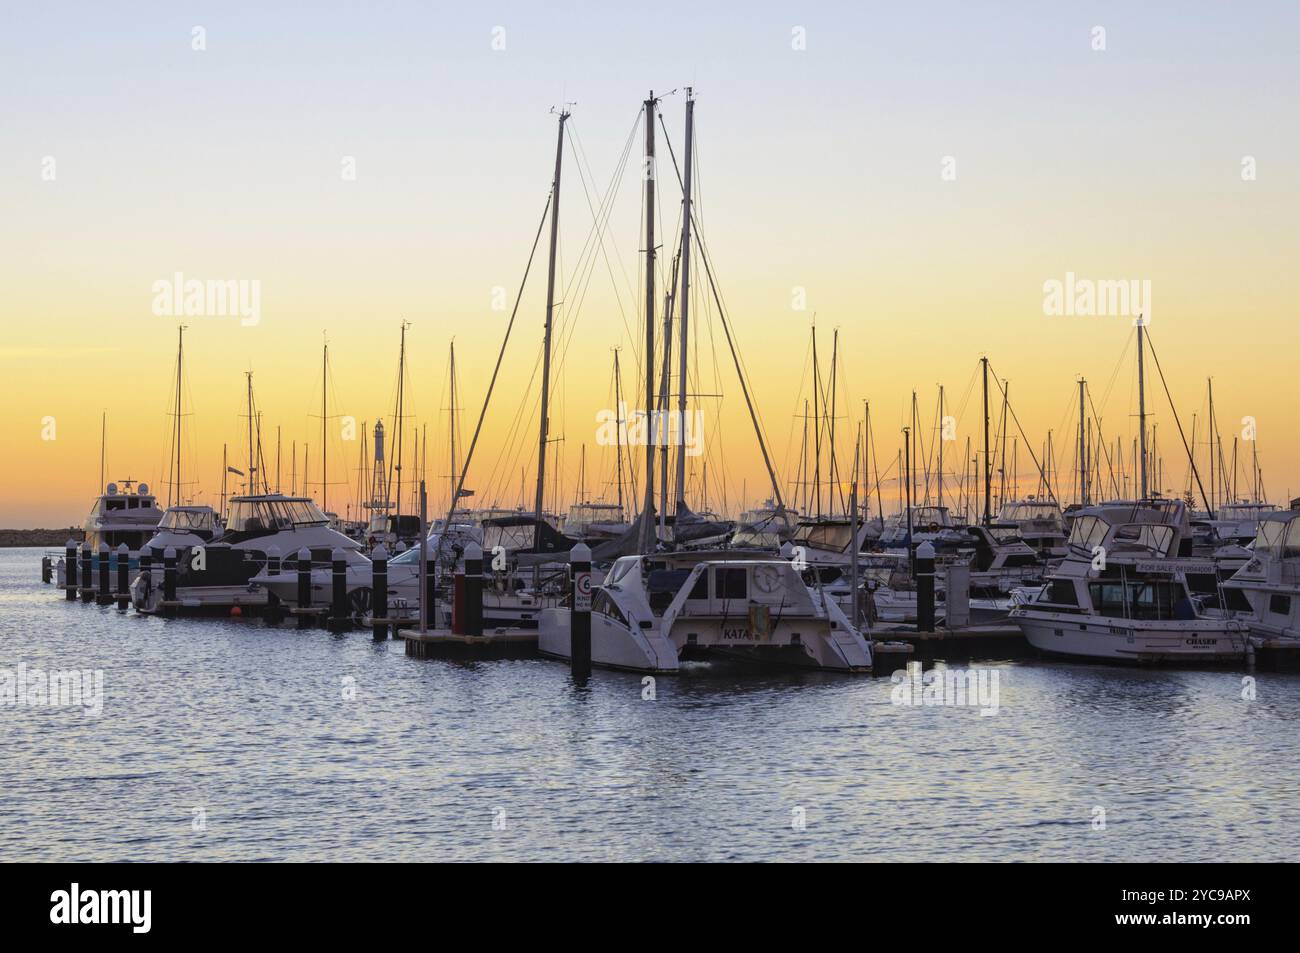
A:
[250,725]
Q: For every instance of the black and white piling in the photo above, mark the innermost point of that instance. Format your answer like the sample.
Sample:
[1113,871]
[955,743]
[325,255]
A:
[70,570]
[123,580]
[169,581]
[379,593]
[304,587]
[105,595]
[925,587]
[580,616]
[339,602]
[272,600]
[146,573]
[474,589]
[87,573]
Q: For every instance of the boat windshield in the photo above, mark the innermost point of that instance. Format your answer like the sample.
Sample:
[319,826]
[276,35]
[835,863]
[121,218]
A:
[833,536]
[511,538]
[255,516]
[1152,537]
[187,521]
[1276,539]
[925,516]
[1088,532]
[1019,512]
[1245,511]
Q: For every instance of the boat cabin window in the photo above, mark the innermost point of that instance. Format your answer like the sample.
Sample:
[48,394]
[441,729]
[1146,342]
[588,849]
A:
[1060,592]
[115,504]
[1161,600]
[731,583]
[602,604]
[1279,604]
[701,588]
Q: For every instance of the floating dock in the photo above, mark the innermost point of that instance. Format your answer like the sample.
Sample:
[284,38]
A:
[493,644]
[985,639]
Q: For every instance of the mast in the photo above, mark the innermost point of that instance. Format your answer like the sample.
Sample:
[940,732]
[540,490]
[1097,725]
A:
[546,339]
[1083,450]
[835,482]
[175,488]
[103,440]
[817,425]
[1209,382]
[684,302]
[618,434]
[401,398]
[452,428]
[277,458]
[324,468]
[251,469]
[988,471]
[907,455]
[647,531]
[224,471]
[1142,406]
[940,489]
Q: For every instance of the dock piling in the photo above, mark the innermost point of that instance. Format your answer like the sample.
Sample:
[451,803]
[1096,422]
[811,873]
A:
[123,580]
[580,616]
[339,604]
[169,581]
[474,589]
[379,593]
[105,595]
[304,587]
[70,570]
[272,600]
[87,573]
[146,572]
[925,587]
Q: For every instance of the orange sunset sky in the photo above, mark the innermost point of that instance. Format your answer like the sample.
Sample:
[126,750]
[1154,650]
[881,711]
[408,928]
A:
[828,137]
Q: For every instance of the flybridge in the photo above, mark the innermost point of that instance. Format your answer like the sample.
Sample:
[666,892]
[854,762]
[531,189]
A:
[75,906]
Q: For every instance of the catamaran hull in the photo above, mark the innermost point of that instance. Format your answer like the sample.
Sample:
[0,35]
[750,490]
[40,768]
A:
[613,645]
[1177,641]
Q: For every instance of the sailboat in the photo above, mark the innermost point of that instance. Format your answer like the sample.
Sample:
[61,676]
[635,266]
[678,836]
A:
[658,606]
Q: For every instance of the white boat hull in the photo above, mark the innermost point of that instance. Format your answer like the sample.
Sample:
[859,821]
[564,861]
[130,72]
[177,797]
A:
[1133,640]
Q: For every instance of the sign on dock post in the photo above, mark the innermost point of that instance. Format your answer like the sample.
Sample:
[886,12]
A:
[580,615]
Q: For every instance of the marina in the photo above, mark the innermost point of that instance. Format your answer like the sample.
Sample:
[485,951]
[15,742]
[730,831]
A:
[824,434]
